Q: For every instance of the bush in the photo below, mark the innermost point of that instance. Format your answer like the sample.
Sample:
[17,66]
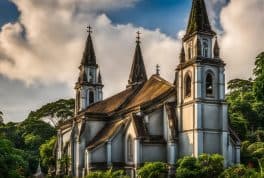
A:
[205,166]
[153,170]
[240,171]
[108,174]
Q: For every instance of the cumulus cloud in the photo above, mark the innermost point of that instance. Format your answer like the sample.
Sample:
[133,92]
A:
[243,39]
[44,47]
[46,44]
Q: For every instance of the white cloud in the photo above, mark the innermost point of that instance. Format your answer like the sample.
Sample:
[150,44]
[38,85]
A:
[46,44]
[243,39]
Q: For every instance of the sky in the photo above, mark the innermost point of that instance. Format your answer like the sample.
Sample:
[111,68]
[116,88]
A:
[41,43]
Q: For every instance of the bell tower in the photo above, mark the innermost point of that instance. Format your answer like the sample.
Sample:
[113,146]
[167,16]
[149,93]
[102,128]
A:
[89,85]
[200,82]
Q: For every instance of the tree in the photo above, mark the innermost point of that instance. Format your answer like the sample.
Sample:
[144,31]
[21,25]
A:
[259,80]
[1,118]
[153,170]
[12,161]
[46,154]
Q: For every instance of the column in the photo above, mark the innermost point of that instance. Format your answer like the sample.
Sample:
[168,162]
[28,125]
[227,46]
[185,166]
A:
[137,152]
[109,153]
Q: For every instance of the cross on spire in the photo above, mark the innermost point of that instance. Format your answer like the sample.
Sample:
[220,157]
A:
[89,29]
[157,69]
[138,36]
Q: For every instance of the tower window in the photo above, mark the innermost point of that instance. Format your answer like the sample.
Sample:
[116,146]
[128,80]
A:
[209,85]
[130,149]
[91,97]
[78,102]
[188,86]
[205,48]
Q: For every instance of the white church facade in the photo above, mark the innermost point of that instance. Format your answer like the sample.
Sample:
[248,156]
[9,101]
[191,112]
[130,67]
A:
[151,119]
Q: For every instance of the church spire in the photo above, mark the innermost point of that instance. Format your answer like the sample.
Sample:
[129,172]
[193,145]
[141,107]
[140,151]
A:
[198,20]
[89,58]
[138,72]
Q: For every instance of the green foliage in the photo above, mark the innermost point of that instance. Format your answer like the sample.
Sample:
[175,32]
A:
[60,109]
[12,161]
[46,153]
[252,153]
[30,134]
[206,166]
[108,174]
[153,170]
[259,74]
[240,171]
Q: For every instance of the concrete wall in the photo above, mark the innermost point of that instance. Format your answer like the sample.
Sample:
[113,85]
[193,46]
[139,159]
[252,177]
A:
[155,123]
[186,144]
[99,154]
[211,116]
[153,152]
[117,148]
[212,142]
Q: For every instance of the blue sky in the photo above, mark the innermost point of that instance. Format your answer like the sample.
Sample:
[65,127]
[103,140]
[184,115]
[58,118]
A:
[23,90]
[150,14]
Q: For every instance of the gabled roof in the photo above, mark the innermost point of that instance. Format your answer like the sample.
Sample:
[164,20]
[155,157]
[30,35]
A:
[106,133]
[198,20]
[138,72]
[153,89]
[112,103]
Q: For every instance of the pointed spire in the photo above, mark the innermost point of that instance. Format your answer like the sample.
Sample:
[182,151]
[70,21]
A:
[82,77]
[198,20]
[216,49]
[99,78]
[138,71]
[89,58]
[182,55]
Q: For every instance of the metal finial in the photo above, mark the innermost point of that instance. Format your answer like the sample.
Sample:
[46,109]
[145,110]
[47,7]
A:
[89,29]
[138,36]
[157,69]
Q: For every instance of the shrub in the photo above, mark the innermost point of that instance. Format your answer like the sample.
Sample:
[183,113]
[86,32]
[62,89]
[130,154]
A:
[107,174]
[240,171]
[153,170]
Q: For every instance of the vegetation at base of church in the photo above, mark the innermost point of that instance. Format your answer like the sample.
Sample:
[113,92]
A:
[240,171]
[205,166]
[22,141]
[153,170]
[48,161]
[108,174]
[246,114]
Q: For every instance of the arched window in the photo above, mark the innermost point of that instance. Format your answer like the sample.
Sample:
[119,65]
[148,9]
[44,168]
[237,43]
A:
[209,85]
[91,97]
[188,86]
[205,48]
[130,149]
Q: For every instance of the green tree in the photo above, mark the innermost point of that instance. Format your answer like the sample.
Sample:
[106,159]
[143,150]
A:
[153,170]
[259,74]
[1,117]
[46,154]
[12,161]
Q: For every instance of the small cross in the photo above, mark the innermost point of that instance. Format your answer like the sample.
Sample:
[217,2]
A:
[89,29]
[157,69]
[138,36]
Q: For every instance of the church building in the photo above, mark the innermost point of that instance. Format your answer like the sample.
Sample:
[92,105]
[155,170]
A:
[151,119]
